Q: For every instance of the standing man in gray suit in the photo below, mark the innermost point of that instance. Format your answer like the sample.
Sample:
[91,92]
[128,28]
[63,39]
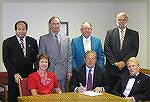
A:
[58,47]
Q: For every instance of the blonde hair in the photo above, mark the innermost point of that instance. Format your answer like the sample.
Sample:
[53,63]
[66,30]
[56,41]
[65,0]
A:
[133,59]
[122,13]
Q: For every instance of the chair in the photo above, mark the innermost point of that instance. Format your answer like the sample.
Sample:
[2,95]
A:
[23,88]
[145,71]
[3,86]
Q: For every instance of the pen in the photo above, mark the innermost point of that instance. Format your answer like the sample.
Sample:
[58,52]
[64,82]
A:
[80,84]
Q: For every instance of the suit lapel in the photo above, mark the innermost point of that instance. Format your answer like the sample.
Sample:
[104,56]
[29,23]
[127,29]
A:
[116,39]
[93,43]
[125,42]
[95,76]
[135,85]
[124,83]
[83,76]
[81,45]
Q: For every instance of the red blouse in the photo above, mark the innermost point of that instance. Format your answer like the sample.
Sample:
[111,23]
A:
[34,82]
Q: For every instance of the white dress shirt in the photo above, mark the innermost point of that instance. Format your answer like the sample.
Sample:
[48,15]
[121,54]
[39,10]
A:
[87,46]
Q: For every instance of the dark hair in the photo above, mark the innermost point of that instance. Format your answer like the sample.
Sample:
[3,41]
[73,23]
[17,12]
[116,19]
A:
[39,57]
[21,22]
[53,18]
[90,51]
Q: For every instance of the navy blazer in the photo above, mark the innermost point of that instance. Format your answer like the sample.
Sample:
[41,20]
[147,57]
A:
[140,89]
[112,48]
[14,59]
[100,78]
[78,51]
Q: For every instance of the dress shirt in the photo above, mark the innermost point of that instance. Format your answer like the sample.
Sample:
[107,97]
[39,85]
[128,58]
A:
[129,86]
[84,43]
[58,36]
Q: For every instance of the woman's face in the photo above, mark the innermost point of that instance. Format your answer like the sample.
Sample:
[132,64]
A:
[43,64]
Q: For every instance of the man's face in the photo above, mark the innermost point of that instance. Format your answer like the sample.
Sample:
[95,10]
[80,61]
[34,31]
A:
[21,30]
[122,21]
[55,25]
[86,29]
[133,68]
[90,60]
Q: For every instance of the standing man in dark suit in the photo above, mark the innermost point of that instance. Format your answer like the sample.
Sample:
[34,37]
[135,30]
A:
[58,47]
[121,43]
[134,86]
[84,43]
[19,54]
[89,76]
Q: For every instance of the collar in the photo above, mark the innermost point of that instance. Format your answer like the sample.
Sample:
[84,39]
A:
[124,30]
[58,35]
[92,69]
[18,38]
[86,38]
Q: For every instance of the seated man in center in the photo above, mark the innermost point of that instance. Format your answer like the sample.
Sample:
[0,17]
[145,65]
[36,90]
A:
[89,77]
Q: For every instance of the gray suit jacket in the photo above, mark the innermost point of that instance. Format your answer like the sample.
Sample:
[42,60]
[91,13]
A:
[60,62]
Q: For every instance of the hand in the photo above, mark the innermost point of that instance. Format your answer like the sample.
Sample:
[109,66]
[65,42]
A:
[130,99]
[69,75]
[121,64]
[80,89]
[17,78]
[99,89]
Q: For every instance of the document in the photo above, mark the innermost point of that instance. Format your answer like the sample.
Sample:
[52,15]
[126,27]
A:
[91,93]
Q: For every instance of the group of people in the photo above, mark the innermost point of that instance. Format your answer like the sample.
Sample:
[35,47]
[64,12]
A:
[80,62]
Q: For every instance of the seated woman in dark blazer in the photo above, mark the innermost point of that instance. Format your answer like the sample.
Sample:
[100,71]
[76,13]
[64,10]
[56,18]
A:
[42,81]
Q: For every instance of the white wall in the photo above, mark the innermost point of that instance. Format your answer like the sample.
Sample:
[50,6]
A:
[100,14]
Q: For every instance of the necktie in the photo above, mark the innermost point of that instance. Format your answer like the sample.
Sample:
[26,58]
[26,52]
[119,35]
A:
[87,45]
[57,42]
[121,38]
[22,43]
[22,46]
[134,76]
[89,83]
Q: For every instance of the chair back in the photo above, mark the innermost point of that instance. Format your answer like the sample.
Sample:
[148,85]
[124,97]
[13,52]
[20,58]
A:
[23,88]
[3,86]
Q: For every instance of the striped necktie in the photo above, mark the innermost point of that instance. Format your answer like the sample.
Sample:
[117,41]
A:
[89,83]
[121,38]
[22,46]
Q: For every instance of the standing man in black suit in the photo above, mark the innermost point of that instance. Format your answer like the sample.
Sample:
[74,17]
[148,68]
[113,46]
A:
[19,54]
[89,76]
[134,86]
[121,43]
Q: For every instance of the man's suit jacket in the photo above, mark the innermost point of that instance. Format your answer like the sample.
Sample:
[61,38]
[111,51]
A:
[78,51]
[112,48]
[60,62]
[14,59]
[140,89]
[100,78]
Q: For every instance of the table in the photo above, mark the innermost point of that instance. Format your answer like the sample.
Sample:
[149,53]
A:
[72,97]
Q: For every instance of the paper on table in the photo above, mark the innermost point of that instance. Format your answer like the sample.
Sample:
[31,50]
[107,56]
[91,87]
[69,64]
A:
[91,93]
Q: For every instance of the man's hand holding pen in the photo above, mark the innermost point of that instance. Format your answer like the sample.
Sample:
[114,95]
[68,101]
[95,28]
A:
[80,89]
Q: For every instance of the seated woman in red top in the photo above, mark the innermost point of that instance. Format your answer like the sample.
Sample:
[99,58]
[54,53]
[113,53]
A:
[43,82]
